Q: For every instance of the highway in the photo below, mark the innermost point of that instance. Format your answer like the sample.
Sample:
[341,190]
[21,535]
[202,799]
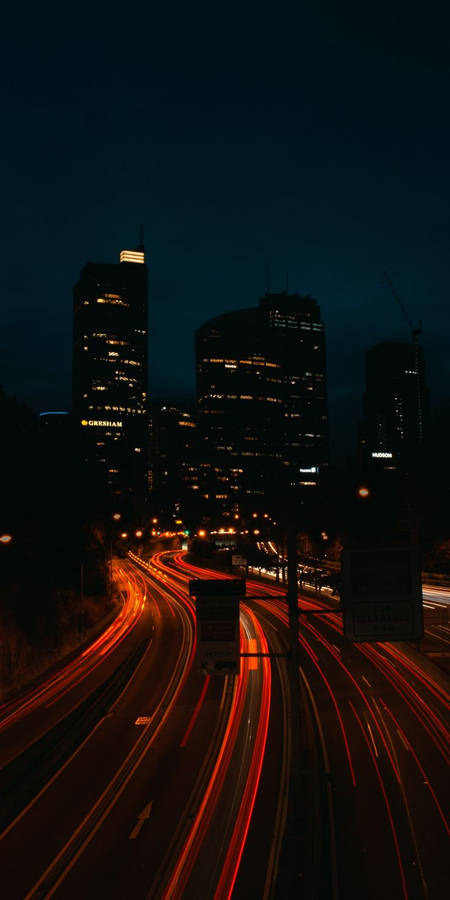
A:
[177,786]
[157,799]
[382,731]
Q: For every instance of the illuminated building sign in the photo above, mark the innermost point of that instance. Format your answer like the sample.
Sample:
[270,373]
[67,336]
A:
[133,256]
[310,470]
[378,454]
[101,423]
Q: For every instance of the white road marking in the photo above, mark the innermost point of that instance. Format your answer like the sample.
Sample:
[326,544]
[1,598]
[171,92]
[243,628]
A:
[142,817]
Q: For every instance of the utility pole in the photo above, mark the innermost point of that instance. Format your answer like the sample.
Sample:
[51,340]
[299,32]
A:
[294,657]
[80,620]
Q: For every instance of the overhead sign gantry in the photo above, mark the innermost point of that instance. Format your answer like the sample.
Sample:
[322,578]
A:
[382,596]
[217,615]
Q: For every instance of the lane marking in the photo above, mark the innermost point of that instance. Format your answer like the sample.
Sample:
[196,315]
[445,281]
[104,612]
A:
[142,817]
[375,749]
[403,739]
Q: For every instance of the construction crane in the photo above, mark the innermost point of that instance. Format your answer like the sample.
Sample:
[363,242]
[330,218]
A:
[416,330]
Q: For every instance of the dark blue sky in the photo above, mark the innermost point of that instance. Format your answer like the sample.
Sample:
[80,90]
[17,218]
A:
[315,136]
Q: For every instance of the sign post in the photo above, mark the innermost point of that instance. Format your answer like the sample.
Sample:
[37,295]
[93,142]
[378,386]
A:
[217,614]
[382,596]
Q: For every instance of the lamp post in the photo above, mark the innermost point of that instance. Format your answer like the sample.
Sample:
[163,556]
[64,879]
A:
[116,518]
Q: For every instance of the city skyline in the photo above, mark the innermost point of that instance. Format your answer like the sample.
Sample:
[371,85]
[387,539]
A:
[328,165]
[168,380]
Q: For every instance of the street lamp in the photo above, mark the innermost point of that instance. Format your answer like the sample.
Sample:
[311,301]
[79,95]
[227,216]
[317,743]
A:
[363,492]
[117,517]
[124,534]
[139,533]
[5,538]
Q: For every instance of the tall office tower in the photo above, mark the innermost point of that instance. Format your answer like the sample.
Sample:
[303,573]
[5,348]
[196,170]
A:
[172,456]
[262,406]
[396,405]
[110,374]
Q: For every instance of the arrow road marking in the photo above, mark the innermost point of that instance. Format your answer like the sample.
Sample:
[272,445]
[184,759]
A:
[145,814]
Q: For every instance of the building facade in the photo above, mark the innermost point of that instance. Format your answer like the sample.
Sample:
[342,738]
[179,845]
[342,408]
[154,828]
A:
[172,457]
[261,397]
[395,405]
[109,382]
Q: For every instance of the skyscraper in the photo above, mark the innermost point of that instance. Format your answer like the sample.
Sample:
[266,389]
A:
[261,394]
[395,405]
[172,455]
[110,373]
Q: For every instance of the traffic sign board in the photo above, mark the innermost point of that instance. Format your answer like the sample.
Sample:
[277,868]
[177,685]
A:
[217,614]
[382,595]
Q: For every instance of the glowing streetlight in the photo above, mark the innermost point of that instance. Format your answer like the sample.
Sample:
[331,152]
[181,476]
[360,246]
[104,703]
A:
[5,538]
[202,533]
[124,534]
[139,533]
[117,517]
[154,521]
[363,492]
[256,531]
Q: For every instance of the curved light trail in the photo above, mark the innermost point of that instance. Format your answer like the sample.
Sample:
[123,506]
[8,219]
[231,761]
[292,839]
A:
[53,687]
[423,709]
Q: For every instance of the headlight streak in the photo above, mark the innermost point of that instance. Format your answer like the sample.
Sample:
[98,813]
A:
[380,656]
[230,869]
[181,873]
[61,865]
[386,800]
[376,655]
[422,771]
[186,861]
[73,673]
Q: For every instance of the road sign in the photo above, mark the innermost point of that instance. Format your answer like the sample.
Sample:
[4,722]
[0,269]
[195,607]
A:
[217,614]
[382,593]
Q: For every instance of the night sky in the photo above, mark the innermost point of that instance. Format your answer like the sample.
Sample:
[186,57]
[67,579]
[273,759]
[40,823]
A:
[313,138]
